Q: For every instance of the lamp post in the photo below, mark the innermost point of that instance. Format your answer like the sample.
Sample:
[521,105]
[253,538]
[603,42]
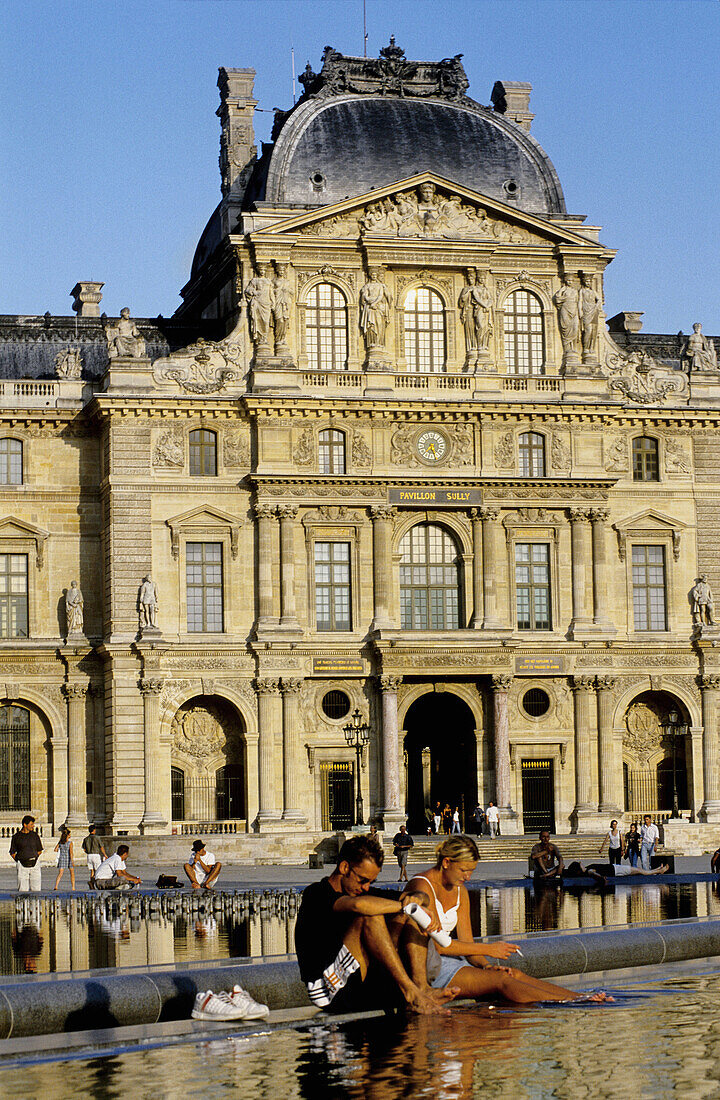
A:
[357,734]
[674,728]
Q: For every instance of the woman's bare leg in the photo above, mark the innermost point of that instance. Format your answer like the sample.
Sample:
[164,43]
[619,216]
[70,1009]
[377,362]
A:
[511,984]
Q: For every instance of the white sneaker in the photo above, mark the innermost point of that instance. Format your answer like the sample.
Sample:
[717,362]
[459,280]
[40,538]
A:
[251,1008]
[216,1006]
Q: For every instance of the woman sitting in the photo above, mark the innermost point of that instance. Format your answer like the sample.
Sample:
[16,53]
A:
[463,966]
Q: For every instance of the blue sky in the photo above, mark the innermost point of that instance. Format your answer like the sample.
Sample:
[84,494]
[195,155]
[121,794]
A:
[110,140]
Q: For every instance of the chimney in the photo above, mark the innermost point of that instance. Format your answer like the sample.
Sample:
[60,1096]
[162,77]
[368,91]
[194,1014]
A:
[237,140]
[512,98]
[87,298]
[630,320]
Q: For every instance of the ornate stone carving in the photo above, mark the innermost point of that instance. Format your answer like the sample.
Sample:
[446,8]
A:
[559,454]
[617,455]
[347,274]
[202,367]
[590,305]
[265,511]
[476,314]
[203,732]
[334,513]
[402,452]
[169,449]
[424,278]
[148,604]
[502,681]
[541,492]
[291,686]
[68,363]
[698,352]
[260,298]
[390,74]
[533,515]
[709,683]
[390,682]
[702,602]
[304,450]
[676,458]
[151,687]
[172,689]
[283,292]
[236,449]
[582,683]
[382,511]
[605,683]
[361,456]
[74,609]
[644,380]
[375,305]
[579,515]
[287,511]
[124,338]
[505,452]
[72,691]
[567,303]
[461,437]
[266,685]
[644,732]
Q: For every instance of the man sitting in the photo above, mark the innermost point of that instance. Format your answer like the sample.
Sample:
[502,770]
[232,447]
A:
[112,874]
[546,863]
[346,939]
[202,868]
[601,872]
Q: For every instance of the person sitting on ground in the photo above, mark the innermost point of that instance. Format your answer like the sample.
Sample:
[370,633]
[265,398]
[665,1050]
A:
[402,843]
[92,846]
[715,862]
[601,872]
[202,868]
[546,863]
[346,939]
[464,963]
[112,873]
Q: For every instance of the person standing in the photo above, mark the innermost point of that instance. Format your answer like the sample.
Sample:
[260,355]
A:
[493,819]
[25,849]
[479,817]
[64,849]
[456,820]
[95,853]
[447,819]
[614,843]
[649,834]
[437,818]
[402,843]
[632,844]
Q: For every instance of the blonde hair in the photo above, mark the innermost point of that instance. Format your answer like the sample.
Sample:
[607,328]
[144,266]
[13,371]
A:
[456,848]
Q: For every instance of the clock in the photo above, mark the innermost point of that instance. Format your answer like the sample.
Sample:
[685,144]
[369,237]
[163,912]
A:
[431,446]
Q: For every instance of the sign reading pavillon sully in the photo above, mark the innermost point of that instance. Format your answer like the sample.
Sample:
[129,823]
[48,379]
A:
[422,496]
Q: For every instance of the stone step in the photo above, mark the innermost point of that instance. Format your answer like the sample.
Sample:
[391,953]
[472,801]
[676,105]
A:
[584,846]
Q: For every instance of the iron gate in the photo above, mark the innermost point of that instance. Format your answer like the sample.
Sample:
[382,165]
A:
[337,795]
[538,793]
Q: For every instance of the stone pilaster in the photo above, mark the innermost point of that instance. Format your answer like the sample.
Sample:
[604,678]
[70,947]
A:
[291,689]
[288,613]
[710,688]
[501,684]
[581,570]
[477,582]
[265,514]
[493,563]
[583,688]
[152,819]
[269,731]
[601,613]
[609,802]
[76,765]
[382,520]
[393,813]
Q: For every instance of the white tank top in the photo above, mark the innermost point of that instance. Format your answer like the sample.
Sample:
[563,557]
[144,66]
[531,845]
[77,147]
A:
[447,917]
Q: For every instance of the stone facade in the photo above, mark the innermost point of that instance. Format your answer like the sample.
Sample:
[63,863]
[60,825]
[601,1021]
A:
[386,456]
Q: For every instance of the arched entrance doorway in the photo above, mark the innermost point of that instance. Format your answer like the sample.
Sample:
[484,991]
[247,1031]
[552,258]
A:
[655,758]
[441,754]
[208,773]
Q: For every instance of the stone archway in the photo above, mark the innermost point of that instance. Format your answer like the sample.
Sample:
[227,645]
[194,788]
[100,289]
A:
[209,761]
[655,763]
[441,753]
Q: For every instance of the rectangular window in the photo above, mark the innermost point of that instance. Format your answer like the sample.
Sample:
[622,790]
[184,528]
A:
[532,586]
[13,596]
[648,577]
[11,462]
[332,586]
[203,565]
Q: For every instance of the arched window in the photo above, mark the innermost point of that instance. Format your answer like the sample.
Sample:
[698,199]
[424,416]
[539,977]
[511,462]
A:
[14,758]
[203,453]
[326,328]
[331,452]
[524,333]
[424,330]
[11,462]
[645,459]
[429,579]
[177,794]
[531,454]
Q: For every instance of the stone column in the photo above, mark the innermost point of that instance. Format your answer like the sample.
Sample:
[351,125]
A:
[269,724]
[501,731]
[291,689]
[599,518]
[288,613]
[583,686]
[581,566]
[392,810]
[265,515]
[493,561]
[608,795]
[152,820]
[77,778]
[477,537]
[382,517]
[710,687]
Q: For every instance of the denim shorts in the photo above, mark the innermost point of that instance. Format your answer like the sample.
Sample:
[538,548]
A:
[443,968]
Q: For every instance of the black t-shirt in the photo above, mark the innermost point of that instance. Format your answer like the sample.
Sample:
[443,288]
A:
[403,840]
[27,847]
[319,930]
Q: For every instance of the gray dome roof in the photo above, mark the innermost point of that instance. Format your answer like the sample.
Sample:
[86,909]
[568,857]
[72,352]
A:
[349,145]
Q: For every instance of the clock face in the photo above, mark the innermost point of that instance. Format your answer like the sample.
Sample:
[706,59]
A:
[432,446]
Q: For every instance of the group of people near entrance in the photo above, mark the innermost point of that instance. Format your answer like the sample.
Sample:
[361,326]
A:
[639,845]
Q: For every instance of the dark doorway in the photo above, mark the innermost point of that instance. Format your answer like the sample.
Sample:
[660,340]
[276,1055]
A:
[177,793]
[230,792]
[538,796]
[338,796]
[441,750]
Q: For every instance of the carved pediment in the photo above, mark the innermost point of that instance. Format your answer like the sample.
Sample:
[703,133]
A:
[203,521]
[17,530]
[649,524]
[203,367]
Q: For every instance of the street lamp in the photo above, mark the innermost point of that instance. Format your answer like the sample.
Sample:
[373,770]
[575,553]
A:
[674,728]
[357,734]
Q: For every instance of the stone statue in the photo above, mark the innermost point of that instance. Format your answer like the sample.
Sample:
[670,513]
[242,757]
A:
[260,297]
[475,305]
[590,304]
[567,304]
[375,302]
[124,339]
[702,600]
[68,363]
[148,604]
[282,288]
[74,604]
[699,352]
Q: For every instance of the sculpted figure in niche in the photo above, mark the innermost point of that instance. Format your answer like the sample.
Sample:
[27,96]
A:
[68,363]
[699,352]
[702,601]
[567,304]
[590,306]
[124,339]
[283,293]
[148,604]
[475,305]
[375,302]
[74,604]
[260,297]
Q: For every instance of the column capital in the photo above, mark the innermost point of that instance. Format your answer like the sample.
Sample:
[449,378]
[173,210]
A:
[502,681]
[291,686]
[75,691]
[709,682]
[599,515]
[580,515]
[389,682]
[151,687]
[266,686]
[488,511]
[605,683]
[582,683]
[382,511]
[287,511]
[265,511]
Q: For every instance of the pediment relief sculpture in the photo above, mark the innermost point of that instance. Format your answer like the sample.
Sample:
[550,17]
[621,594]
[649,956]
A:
[68,363]
[644,380]
[203,367]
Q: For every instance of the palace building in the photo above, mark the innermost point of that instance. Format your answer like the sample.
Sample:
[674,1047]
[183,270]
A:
[389,456]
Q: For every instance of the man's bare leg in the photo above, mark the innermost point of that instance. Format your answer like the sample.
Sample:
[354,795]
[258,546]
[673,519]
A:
[213,875]
[187,868]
